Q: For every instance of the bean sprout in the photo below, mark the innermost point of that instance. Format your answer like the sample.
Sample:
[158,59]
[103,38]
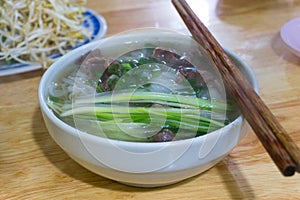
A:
[31,30]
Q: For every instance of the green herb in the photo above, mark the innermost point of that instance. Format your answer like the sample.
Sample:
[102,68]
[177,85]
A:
[163,110]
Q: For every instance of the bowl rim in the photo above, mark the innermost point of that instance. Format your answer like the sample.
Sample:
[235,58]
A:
[76,132]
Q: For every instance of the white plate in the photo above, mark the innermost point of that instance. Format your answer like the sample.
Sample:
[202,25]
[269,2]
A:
[290,34]
[94,22]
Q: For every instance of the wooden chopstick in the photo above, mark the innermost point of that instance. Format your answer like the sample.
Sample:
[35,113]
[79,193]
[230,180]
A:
[276,141]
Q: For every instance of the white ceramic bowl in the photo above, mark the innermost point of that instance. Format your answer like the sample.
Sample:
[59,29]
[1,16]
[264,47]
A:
[137,163]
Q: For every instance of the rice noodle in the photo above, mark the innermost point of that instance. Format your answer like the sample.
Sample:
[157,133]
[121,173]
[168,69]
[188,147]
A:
[73,86]
[32,30]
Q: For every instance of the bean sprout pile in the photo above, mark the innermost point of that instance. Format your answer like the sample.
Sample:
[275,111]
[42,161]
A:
[31,30]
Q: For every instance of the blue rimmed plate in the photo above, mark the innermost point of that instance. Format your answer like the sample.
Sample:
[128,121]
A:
[95,23]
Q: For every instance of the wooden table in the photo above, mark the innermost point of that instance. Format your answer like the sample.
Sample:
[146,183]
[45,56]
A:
[33,166]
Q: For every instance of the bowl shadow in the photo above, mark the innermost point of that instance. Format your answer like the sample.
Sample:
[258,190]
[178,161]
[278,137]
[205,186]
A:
[280,48]
[235,181]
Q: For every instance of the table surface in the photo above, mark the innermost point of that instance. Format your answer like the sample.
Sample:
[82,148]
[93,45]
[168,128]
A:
[33,166]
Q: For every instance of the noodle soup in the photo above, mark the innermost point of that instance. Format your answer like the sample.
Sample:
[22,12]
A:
[146,93]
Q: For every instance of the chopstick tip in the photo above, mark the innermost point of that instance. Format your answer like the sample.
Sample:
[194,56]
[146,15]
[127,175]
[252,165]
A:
[289,171]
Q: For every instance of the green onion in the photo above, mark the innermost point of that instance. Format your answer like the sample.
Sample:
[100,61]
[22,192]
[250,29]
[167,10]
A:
[144,109]
[144,97]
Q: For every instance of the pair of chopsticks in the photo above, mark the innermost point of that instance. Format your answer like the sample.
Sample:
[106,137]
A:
[276,141]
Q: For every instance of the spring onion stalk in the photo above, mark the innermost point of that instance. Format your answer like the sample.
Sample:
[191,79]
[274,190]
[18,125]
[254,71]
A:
[155,97]
[139,111]
[122,111]
[117,130]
